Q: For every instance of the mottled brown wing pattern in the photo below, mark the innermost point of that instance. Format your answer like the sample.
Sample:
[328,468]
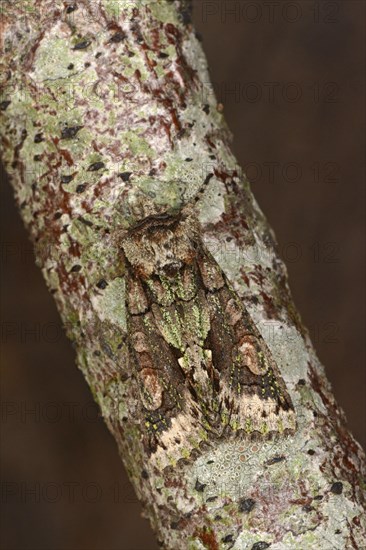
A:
[202,366]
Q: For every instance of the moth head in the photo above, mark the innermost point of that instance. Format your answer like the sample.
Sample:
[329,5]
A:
[148,197]
[161,244]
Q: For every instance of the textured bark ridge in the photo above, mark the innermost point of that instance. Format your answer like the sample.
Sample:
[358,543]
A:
[168,282]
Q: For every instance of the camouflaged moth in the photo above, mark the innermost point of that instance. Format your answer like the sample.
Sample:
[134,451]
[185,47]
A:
[203,368]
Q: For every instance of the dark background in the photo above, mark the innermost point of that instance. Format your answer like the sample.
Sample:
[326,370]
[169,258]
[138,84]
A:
[292,81]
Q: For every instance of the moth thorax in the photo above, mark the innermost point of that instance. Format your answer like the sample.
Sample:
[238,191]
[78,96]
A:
[161,250]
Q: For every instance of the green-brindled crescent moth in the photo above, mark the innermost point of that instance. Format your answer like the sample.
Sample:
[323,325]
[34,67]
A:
[202,367]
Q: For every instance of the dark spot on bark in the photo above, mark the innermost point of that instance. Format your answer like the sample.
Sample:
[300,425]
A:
[356,521]
[186,16]
[97,353]
[199,486]
[261,545]
[96,166]
[308,508]
[118,37]
[212,157]
[181,133]
[228,538]
[144,474]
[37,158]
[337,488]
[138,34]
[246,505]
[211,499]
[206,109]
[87,64]
[311,452]
[82,45]
[85,222]
[275,460]
[217,518]
[75,268]
[318,497]
[98,54]
[58,215]
[71,66]
[81,188]
[207,179]
[38,138]
[70,132]
[71,8]
[174,525]
[66,179]
[163,55]
[337,532]
[301,382]
[188,159]
[4,105]
[210,461]
[125,176]
[107,350]
[102,284]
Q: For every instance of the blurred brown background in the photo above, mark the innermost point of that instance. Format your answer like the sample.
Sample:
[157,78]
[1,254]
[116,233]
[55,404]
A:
[292,80]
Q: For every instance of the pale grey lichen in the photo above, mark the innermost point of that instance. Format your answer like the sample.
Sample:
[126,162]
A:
[110,304]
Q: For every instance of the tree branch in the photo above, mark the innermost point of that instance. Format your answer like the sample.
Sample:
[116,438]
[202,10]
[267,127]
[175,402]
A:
[121,165]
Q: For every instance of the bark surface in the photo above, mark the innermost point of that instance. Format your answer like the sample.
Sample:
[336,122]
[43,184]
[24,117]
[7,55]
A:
[107,118]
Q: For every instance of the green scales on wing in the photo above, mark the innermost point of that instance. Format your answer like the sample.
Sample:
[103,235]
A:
[203,368]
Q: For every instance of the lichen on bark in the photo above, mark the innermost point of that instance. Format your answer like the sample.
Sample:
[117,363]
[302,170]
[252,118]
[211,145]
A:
[107,118]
